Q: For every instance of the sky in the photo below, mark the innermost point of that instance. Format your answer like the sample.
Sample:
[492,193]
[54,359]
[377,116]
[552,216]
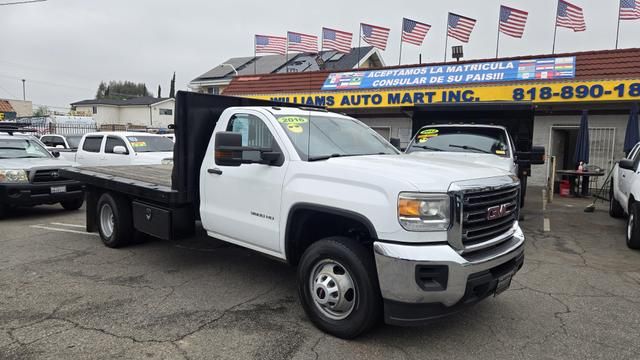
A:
[64,48]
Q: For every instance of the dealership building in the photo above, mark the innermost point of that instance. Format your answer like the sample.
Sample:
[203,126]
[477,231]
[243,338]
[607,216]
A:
[561,86]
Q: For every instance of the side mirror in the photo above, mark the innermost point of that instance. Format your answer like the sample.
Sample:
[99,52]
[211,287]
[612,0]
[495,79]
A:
[627,164]
[119,149]
[395,142]
[56,154]
[228,149]
[270,157]
[534,157]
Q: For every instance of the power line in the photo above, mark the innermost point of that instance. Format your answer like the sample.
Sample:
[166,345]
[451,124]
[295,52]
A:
[21,2]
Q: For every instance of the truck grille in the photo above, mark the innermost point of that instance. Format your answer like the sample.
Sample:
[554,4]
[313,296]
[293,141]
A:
[50,175]
[488,214]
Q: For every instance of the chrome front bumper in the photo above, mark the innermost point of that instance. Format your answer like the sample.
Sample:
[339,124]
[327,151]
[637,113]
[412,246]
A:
[397,265]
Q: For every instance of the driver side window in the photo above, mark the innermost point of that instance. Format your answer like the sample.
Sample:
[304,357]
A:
[254,131]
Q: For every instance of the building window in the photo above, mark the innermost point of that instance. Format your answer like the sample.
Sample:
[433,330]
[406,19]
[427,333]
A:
[95,109]
[166,112]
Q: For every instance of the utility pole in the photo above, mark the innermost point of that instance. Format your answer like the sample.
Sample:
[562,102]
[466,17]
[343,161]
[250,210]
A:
[24,94]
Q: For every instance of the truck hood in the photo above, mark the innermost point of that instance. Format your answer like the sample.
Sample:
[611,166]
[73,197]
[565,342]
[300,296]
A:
[499,162]
[424,174]
[150,158]
[33,163]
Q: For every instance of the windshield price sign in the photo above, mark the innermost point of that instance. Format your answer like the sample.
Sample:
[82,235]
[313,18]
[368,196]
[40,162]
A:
[515,70]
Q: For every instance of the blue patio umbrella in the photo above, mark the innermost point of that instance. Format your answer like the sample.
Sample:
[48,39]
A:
[582,142]
[632,135]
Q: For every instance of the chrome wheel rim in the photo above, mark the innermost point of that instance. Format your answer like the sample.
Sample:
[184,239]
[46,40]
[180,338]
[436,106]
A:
[106,220]
[332,289]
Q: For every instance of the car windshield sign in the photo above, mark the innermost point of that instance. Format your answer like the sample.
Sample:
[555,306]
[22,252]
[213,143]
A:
[150,143]
[21,149]
[468,139]
[319,137]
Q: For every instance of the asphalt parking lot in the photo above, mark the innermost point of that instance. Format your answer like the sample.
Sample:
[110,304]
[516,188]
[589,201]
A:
[64,295]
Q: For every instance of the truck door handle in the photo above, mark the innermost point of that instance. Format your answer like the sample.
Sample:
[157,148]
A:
[214,171]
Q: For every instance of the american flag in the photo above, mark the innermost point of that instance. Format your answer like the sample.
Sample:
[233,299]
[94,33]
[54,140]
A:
[336,40]
[629,9]
[375,35]
[302,42]
[460,27]
[413,32]
[512,21]
[271,44]
[570,16]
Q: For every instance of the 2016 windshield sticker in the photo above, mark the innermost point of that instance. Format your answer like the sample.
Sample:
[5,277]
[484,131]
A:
[131,138]
[427,134]
[138,144]
[295,128]
[292,120]
[501,152]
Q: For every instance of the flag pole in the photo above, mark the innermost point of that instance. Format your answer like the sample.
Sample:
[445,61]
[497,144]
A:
[359,39]
[555,31]
[401,32]
[498,41]
[255,60]
[446,38]
[618,30]
[287,54]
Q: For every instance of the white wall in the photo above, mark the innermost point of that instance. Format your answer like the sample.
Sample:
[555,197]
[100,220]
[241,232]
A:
[542,130]
[141,115]
[104,115]
[163,120]
[136,115]
[22,108]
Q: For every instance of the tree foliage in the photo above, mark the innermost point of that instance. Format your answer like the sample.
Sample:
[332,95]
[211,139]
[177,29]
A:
[41,111]
[121,90]
[172,90]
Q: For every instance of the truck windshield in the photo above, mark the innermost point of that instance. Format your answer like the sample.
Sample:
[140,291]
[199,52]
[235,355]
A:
[150,143]
[318,137]
[21,148]
[479,140]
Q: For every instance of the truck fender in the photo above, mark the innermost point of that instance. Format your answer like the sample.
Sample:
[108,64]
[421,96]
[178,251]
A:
[306,210]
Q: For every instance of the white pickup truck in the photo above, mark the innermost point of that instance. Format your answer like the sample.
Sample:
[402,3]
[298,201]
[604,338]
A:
[123,148]
[374,233]
[625,195]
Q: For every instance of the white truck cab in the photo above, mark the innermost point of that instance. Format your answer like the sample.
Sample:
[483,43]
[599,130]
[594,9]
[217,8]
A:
[123,148]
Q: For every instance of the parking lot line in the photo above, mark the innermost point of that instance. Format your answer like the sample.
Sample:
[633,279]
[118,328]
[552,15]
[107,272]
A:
[69,225]
[547,225]
[62,230]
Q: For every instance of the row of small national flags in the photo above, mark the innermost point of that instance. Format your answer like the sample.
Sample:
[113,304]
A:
[512,22]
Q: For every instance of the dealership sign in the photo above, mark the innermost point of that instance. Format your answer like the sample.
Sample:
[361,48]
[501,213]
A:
[497,71]
[556,92]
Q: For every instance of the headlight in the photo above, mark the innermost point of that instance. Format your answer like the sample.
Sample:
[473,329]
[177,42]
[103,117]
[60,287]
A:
[424,212]
[13,176]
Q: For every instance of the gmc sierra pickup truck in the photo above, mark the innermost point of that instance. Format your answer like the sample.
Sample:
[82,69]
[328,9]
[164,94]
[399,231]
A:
[374,233]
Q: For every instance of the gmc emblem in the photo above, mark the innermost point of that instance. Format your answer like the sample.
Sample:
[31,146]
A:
[497,212]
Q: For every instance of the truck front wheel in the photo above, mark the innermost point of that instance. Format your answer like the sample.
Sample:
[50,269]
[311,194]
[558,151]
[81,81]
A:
[338,287]
[633,227]
[71,205]
[114,220]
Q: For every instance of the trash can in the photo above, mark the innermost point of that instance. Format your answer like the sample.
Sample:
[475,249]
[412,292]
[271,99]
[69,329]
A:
[565,188]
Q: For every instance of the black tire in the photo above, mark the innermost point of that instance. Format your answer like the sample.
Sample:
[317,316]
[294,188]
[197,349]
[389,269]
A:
[359,264]
[615,209]
[633,227]
[121,232]
[72,205]
[523,190]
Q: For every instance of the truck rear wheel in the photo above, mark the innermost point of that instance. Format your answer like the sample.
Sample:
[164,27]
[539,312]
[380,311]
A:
[114,220]
[633,227]
[338,287]
[615,209]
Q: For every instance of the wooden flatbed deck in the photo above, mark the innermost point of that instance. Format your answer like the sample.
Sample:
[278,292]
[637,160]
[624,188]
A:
[150,182]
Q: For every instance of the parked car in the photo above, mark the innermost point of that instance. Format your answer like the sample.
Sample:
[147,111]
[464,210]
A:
[489,145]
[625,195]
[123,148]
[65,146]
[374,233]
[29,175]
